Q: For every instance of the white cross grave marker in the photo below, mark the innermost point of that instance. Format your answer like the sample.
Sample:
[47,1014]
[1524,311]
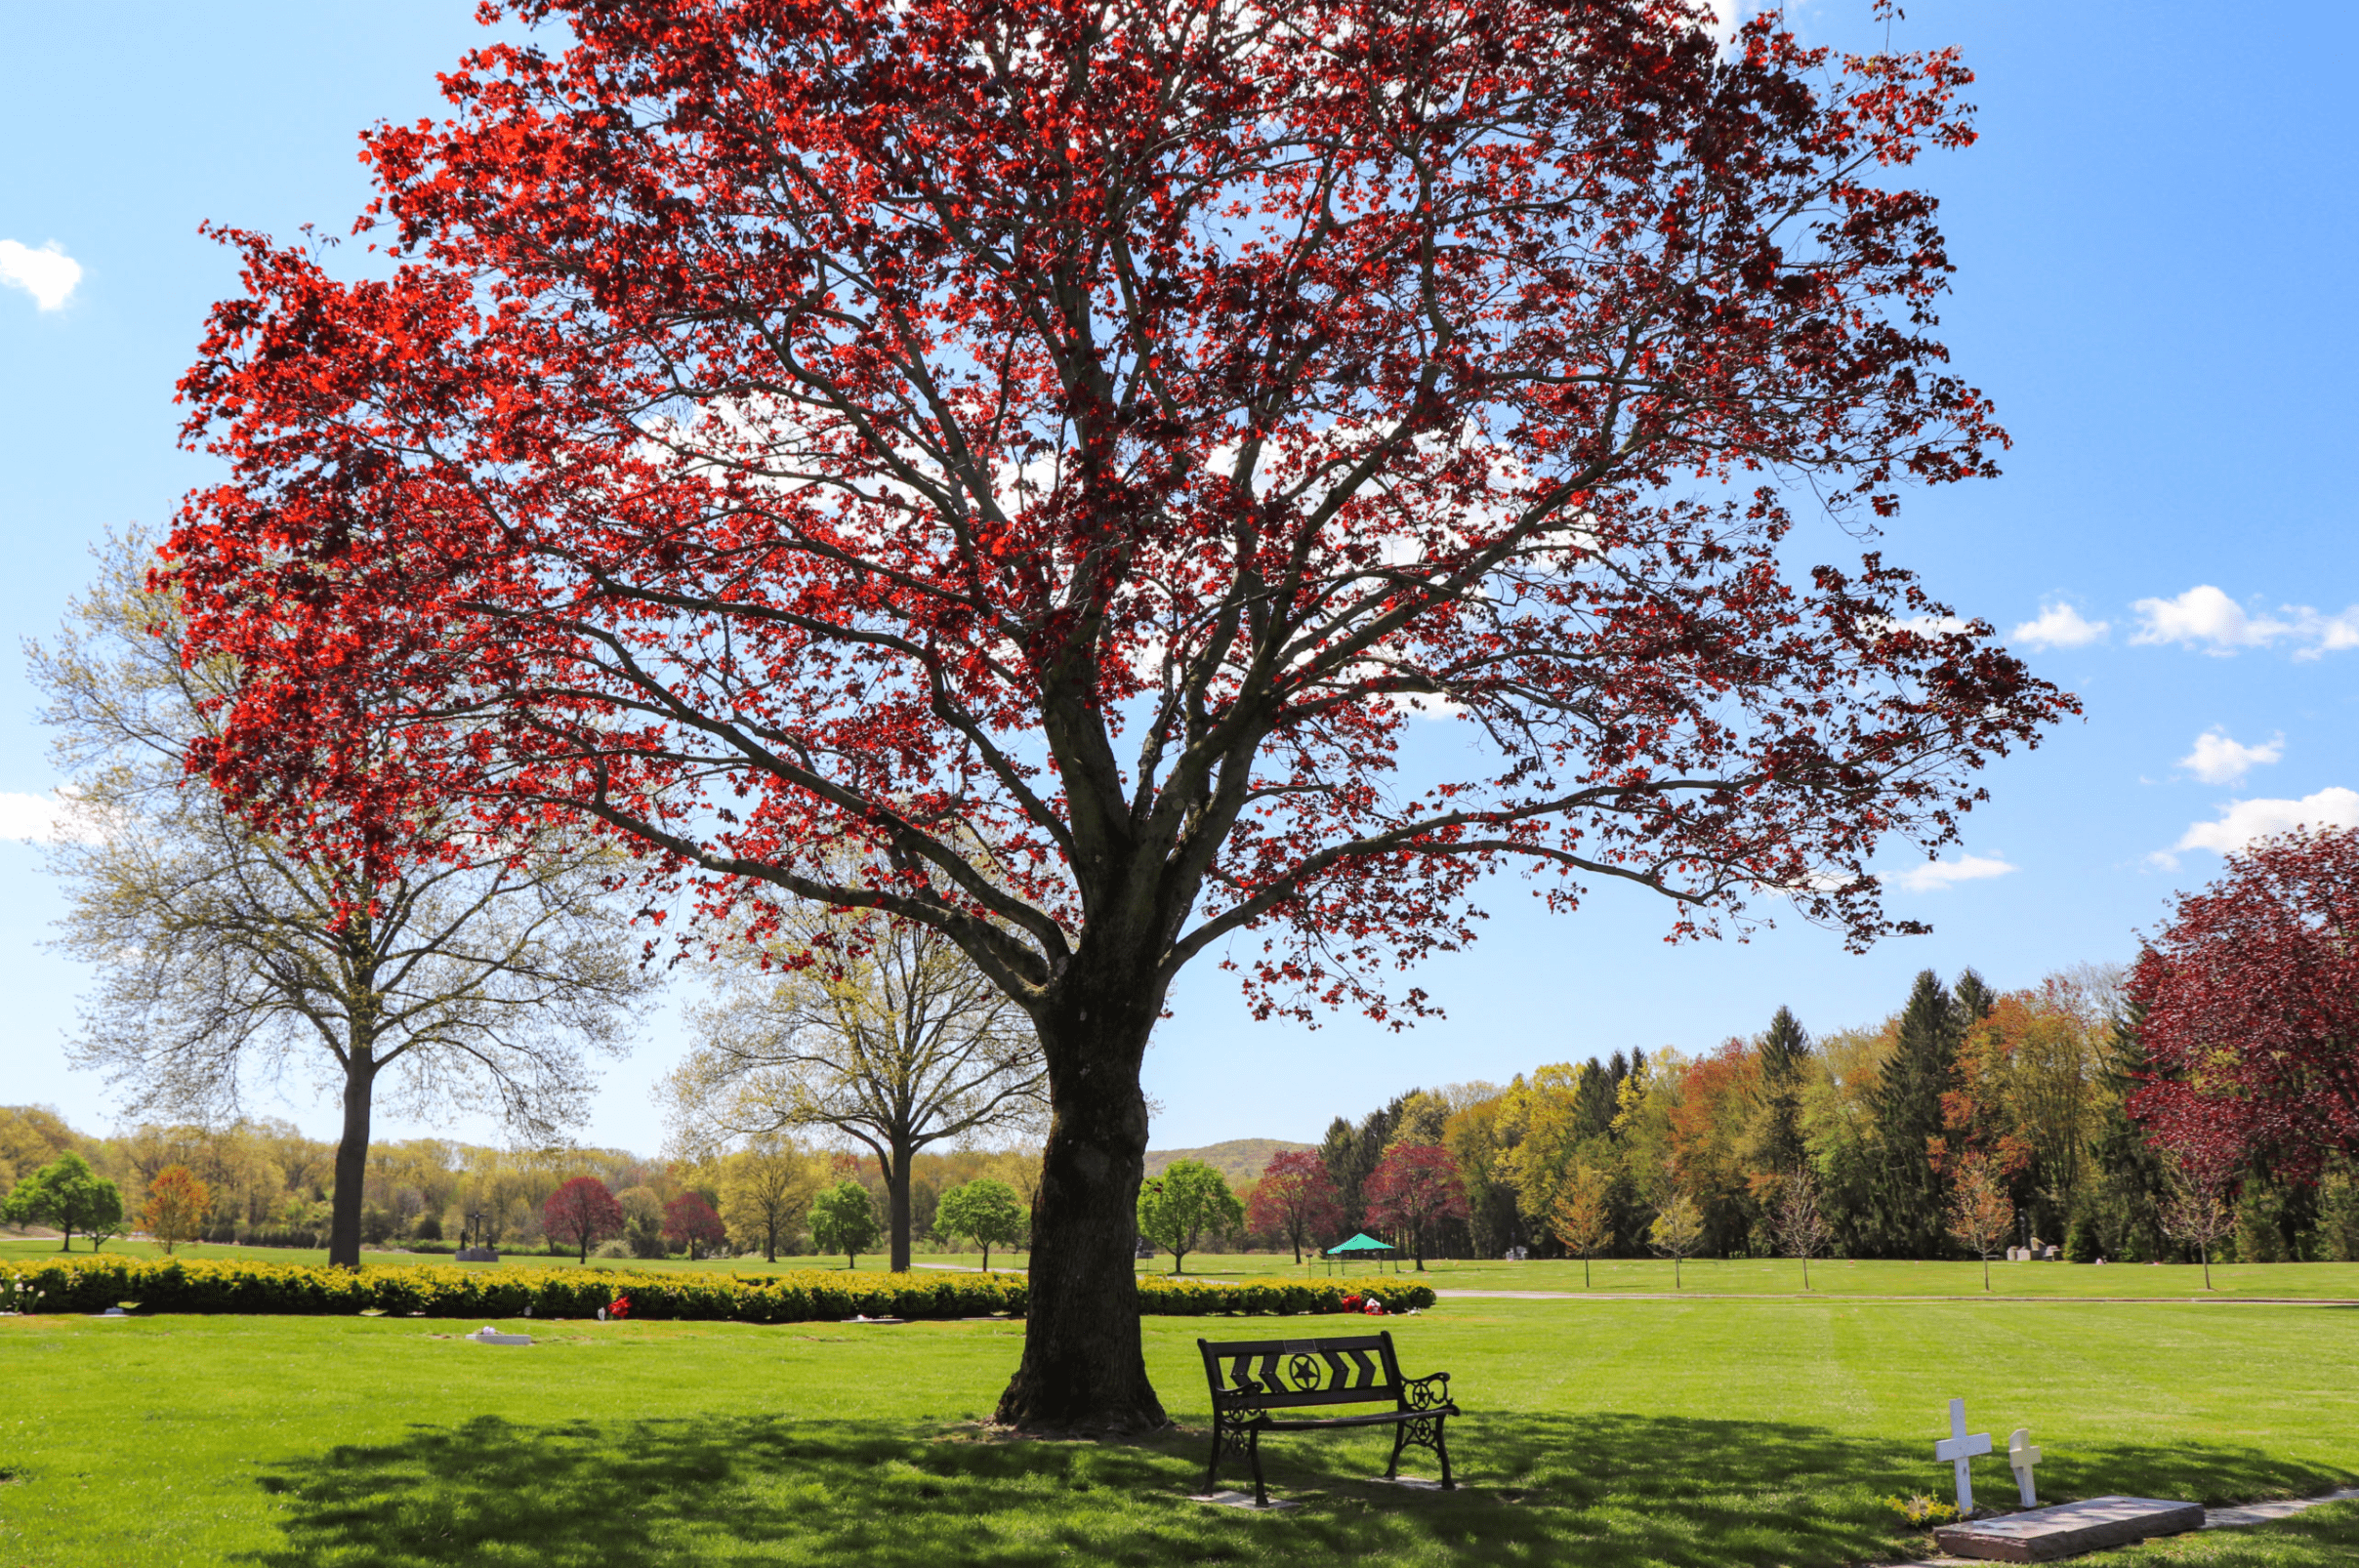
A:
[1960,1450]
[2021,1456]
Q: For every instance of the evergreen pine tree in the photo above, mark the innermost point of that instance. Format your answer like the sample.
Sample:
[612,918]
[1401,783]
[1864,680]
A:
[1909,1192]
[1785,1054]
[1976,1001]
[1594,1117]
[2123,1208]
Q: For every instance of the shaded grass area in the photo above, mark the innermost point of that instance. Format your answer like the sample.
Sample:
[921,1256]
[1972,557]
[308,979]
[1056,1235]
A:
[1617,1433]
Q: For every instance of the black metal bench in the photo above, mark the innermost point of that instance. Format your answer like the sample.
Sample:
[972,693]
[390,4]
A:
[1265,1376]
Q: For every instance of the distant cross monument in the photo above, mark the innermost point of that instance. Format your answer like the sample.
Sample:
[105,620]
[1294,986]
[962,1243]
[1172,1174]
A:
[2021,1456]
[1960,1450]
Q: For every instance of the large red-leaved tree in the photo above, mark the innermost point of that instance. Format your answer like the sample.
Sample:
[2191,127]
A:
[1415,1187]
[2248,1011]
[1297,1198]
[582,1211]
[1034,469]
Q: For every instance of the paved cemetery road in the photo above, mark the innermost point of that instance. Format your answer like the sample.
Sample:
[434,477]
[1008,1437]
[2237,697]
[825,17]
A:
[1824,1296]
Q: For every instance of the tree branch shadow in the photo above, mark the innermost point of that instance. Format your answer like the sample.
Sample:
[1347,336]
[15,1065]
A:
[1609,1490]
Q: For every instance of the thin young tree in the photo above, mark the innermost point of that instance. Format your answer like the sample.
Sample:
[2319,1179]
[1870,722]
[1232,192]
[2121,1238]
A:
[984,1211]
[228,957]
[1179,1208]
[178,1204]
[2201,1210]
[1677,1232]
[1979,1214]
[879,1029]
[1797,1223]
[817,442]
[1583,1217]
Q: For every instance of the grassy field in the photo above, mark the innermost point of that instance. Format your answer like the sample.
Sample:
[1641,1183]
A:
[1747,1276]
[1759,1276]
[1694,1435]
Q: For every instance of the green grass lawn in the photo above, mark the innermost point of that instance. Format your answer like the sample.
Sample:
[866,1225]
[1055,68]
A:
[1763,1276]
[1746,1276]
[1698,1434]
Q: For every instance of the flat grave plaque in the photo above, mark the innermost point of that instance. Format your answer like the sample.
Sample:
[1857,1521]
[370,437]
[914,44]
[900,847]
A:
[2068,1529]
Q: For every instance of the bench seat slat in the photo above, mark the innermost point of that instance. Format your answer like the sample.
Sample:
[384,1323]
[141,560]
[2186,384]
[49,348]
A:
[1382,1417]
[1233,1399]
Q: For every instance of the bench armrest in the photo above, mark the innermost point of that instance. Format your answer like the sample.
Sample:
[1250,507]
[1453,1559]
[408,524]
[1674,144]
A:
[1427,1392]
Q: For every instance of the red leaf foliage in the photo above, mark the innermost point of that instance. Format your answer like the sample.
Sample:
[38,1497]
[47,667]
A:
[1295,1197]
[1415,1185]
[813,442]
[690,1221]
[582,1212]
[2250,1011]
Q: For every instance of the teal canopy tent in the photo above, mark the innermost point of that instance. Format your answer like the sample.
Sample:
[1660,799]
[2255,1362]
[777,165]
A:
[1363,1247]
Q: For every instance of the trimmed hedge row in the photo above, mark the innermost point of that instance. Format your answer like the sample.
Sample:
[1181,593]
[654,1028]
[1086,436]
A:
[436,1290]
[1165,1296]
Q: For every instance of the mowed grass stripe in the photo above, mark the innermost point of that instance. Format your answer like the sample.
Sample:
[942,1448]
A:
[1681,1433]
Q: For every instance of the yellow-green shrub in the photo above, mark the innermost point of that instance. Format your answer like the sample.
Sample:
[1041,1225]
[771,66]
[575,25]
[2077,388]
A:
[441,1290]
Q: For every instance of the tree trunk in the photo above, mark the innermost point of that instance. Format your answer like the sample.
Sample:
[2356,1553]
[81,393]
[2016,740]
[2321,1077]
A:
[897,1207]
[351,1163]
[1083,1368]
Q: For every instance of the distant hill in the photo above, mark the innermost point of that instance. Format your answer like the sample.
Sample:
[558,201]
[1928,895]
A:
[1239,1159]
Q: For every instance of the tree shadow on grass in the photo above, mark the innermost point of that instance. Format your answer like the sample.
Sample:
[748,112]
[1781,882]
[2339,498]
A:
[1608,1490]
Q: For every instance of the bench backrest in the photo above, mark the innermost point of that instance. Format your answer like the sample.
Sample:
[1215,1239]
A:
[1286,1374]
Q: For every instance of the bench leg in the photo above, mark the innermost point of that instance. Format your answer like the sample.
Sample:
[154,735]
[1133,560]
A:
[1212,1466]
[1400,1439]
[1252,1449]
[1441,1446]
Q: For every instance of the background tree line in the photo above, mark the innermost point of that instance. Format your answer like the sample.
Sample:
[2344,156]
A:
[2028,1089]
[269,1185]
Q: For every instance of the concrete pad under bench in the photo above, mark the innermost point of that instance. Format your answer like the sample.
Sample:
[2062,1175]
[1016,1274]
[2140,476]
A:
[2043,1535]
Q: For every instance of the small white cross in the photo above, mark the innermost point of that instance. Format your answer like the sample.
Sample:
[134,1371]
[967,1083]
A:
[2021,1456]
[1960,1450]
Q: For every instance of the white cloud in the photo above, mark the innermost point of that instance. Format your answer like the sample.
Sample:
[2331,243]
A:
[47,275]
[2244,821]
[2060,626]
[1935,875]
[2204,616]
[2217,760]
[45,818]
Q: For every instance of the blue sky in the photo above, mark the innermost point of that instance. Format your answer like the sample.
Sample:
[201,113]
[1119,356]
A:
[2155,243]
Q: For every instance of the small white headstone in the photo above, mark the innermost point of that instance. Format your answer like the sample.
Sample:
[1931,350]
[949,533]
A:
[2022,1457]
[487,1334]
[1960,1449]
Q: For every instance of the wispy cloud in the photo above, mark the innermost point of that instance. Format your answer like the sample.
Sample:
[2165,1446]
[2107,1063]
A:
[46,819]
[2206,618]
[2060,626]
[2244,821]
[2217,760]
[1935,875]
[47,275]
